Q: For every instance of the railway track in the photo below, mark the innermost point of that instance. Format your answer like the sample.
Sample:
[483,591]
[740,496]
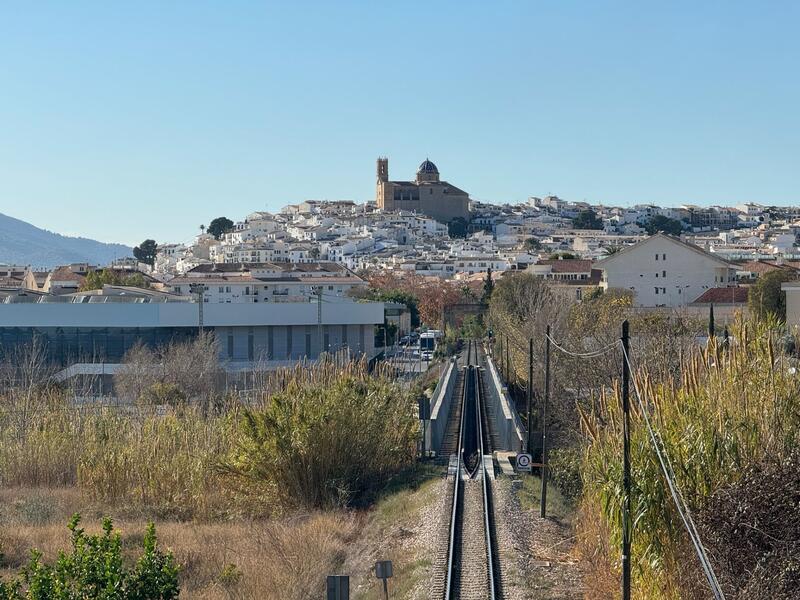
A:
[470,568]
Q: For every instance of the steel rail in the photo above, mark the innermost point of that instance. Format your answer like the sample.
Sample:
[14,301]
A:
[480,471]
[457,483]
[485,486]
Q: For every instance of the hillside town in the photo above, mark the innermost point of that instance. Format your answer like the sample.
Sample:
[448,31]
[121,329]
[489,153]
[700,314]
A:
[683,257]
[452,301]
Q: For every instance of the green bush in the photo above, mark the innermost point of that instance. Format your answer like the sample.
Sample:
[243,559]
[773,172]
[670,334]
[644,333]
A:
[328,442]
[94,569]
[565,471]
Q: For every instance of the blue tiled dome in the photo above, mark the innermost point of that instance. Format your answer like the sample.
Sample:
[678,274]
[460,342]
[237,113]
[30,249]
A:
[427,167]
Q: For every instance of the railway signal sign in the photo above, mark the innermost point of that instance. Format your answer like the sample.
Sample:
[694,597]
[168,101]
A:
[524,462]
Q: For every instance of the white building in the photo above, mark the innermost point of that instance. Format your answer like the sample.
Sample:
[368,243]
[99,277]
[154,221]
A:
[76,331]
[665,271]
[267,283]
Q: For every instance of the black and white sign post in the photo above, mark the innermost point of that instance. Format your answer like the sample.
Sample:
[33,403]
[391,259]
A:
[524,463]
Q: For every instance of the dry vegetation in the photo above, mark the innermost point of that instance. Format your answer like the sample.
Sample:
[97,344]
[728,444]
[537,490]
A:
[237,490]
[728,417]
[733,414]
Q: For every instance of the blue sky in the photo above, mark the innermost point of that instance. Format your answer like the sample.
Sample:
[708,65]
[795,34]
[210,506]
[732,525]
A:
[121,121]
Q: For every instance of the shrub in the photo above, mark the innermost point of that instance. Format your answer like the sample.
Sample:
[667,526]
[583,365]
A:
[565,471]
[94,569]
[325,442]
[230,575]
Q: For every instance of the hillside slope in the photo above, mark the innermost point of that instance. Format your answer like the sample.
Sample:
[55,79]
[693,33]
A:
[23,244]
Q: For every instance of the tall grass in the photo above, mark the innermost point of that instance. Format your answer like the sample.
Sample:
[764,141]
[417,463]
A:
[136,459]
[733,406]
[167,464]
[318,435]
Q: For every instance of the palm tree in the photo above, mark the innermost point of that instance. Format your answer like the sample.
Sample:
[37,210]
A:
[202,229]
[609,250]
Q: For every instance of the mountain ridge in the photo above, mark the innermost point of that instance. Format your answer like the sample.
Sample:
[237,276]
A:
[24,244]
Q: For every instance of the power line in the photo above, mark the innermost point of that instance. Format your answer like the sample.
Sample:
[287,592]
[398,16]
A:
[590,354]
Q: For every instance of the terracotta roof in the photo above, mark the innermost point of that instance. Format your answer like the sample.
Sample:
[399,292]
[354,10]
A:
[221,278]
[568,265]
[763,266]
[328,267]
[594,279]
[66,274]
[724,295]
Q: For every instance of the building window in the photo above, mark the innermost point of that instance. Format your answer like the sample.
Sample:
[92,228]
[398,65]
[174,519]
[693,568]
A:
[663,257]
[289,341]
[221,289]
[656,291]
[663,273]
[656,256]
[656,275]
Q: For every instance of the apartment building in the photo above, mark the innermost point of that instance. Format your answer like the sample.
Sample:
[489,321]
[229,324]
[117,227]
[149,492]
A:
[665,271]
[266,283]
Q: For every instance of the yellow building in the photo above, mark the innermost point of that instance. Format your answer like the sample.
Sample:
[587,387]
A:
[426,194]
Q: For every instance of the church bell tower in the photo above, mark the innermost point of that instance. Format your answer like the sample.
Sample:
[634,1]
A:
[383,169]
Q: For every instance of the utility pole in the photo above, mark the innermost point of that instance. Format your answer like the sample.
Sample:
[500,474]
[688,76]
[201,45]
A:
[199,289]
[318,291]
[530,395]
[508,365]
[543,507]
[626,467]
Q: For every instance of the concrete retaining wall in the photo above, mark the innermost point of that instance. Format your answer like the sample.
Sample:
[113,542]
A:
[508,425]
[440,407]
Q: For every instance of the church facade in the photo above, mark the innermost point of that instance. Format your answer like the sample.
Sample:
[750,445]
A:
[427,194]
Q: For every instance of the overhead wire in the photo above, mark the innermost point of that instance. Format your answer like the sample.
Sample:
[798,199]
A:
[590,354]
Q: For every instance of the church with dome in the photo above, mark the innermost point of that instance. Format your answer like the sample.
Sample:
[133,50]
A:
[427,194]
